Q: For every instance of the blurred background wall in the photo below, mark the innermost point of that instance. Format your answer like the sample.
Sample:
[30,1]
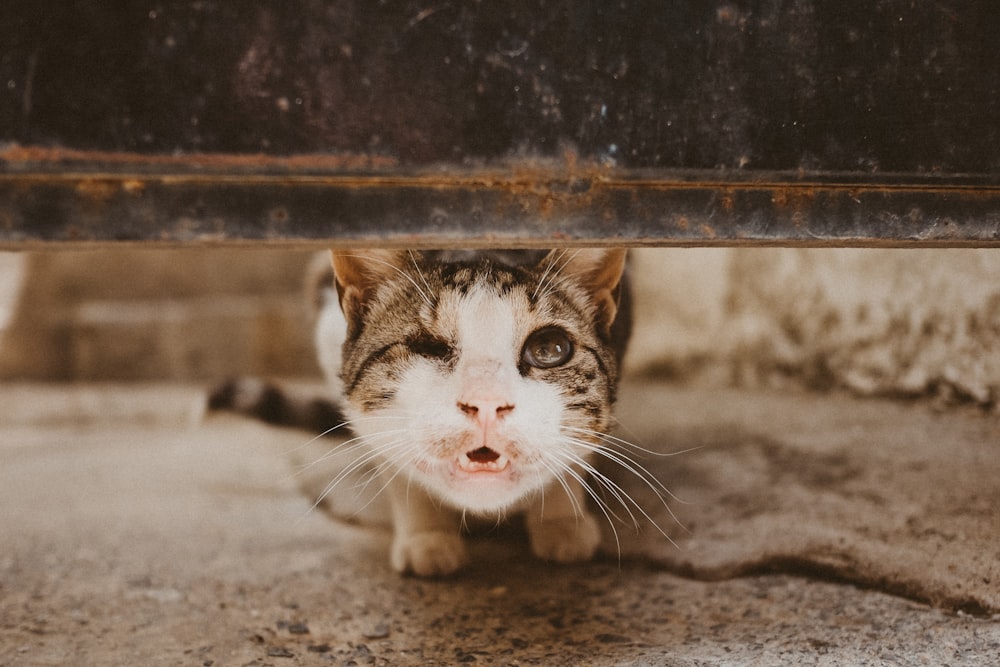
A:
[878,322]
[127,314]
[875,321]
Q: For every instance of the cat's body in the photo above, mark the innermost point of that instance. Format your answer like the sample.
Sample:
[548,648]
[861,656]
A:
[476,384]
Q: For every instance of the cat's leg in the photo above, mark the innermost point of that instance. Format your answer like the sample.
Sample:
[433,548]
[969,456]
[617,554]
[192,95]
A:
[559,525]
[427,537]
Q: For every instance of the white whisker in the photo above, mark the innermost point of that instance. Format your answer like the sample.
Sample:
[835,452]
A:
[463,523]
[340,449]
[640,472]
[622,496]
[357,464]
[614,440]
[557,279]
[353,443]
[420,274]
[398,270]
[629,464]
[548,269]
[344,424]
[617,493]
[399,469]
[604,508]
[577,510]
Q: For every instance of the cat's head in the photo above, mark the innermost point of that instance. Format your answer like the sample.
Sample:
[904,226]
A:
[482,381]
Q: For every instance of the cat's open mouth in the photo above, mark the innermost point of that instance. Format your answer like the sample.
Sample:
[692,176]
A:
[483,459]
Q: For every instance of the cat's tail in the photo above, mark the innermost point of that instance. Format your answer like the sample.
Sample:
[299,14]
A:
[284,405]
[278,405]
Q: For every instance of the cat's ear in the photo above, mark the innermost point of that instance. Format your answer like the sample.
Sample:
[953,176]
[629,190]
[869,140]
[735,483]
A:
[598,270]
[358,274]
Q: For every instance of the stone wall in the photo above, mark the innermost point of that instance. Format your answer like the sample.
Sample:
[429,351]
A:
[128,314]
[878,322]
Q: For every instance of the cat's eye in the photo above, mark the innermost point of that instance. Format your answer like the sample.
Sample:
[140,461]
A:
[430,347]
[547,348]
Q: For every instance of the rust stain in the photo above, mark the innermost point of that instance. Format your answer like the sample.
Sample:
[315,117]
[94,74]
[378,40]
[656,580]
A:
[546,205]
[793,198]
[568,179]
[727,201]
[67,156]
[97,190]
[530,196]
[133,186]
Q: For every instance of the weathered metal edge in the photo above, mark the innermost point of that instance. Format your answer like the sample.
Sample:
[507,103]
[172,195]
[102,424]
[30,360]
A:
[533,205]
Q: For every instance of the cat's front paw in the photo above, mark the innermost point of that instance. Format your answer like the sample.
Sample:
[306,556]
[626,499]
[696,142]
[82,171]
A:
[429,553]
[567,539]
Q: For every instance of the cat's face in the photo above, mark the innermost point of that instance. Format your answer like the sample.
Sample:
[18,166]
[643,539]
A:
[482,382]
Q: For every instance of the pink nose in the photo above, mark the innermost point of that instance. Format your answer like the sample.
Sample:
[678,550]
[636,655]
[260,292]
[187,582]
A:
[485,411]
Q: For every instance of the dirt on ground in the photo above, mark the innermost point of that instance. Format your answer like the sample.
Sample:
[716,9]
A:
[818,530]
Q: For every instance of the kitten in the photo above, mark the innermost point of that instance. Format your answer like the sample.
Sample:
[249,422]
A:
[480,383]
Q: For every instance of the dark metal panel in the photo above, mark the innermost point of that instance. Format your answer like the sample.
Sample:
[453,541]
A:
[467,122]
[822,85]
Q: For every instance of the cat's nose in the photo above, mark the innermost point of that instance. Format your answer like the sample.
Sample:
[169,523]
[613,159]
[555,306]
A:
[485,411]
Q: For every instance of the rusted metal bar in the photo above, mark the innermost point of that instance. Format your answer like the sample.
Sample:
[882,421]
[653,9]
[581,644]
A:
[226,200]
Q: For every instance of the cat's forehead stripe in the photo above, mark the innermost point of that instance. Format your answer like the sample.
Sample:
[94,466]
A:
[464,277]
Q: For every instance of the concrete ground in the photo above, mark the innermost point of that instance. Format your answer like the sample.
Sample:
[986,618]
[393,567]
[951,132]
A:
[820,530]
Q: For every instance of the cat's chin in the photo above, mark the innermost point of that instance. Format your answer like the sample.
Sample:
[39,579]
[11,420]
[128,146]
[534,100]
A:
[477,488]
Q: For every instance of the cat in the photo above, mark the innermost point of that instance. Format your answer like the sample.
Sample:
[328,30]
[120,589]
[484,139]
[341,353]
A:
[477,383]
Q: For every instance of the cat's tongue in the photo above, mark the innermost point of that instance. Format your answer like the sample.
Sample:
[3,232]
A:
[483,459]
